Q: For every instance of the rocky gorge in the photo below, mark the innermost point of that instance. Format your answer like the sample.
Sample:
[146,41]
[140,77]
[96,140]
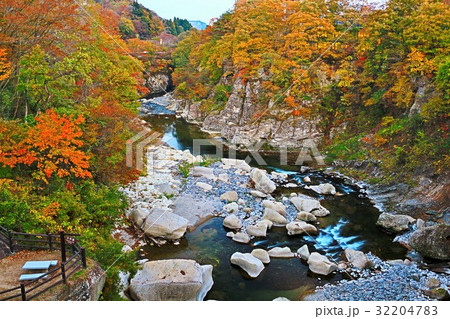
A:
[169,203]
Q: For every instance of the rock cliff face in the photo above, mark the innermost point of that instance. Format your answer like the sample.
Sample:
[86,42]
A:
[239,123]
[159,84]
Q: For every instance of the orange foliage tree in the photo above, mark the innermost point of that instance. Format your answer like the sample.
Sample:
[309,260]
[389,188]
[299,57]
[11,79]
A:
[52,147]
[55,141]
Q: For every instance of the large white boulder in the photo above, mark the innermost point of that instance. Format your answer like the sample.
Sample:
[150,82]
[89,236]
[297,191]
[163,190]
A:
[196,212]
[274,217]
[320,264]
[249,263]
[162,223]
[172,280]
[305,204]
[262,182]
[394,223]
[324,189]
[301,228]
[232,222]
[258,230]
[276,206]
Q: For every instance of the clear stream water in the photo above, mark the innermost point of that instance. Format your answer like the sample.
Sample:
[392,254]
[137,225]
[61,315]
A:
[350,225]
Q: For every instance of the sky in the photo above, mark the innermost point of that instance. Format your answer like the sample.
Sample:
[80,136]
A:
[203,10]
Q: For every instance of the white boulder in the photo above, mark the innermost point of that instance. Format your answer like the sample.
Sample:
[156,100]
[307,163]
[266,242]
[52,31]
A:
[250,264]
[276,206]
[172,280]
[307,217]
[242,238]
[303,252]
[262,255]
[320,264]
[281,252]
[262,182]
[300,228]
[232,222]
[274,217]
[162,223]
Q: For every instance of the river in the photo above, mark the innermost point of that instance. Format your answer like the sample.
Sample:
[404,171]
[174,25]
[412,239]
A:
[350,225]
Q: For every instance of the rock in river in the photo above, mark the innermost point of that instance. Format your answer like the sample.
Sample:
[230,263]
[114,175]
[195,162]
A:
[303,252]
[162,223]
[172,280]
[276,206]
[394,223]
[262,182]
[357,258]
[324,189]
[250,264]
[275,217]
[232,222]
[195,211]
[300,228]
[319,264]
[281,252]
[262,255]
[241,238]
[258,230]
[307,217]
[305,204]
[432,242]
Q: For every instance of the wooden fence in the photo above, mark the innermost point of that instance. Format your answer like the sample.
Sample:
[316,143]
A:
[73,258]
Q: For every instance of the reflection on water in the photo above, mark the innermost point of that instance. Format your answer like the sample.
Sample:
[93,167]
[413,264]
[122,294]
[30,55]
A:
[351,224]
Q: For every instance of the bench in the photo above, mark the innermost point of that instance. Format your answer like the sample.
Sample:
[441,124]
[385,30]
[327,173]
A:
[39,265]
[31,277]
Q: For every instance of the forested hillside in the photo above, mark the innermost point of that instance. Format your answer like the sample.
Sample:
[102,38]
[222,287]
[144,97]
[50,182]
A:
[68,97]
[376,78]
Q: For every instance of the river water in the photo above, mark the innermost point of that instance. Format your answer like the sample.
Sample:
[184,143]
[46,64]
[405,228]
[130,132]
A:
[351,224]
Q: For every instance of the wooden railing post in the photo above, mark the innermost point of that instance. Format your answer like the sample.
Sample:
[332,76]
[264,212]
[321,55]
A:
[11,241]
[63,246]
[23,292]
[50,242]
[63,272]
[83,257]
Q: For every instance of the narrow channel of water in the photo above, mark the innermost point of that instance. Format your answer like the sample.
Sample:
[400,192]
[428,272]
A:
[350,225]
